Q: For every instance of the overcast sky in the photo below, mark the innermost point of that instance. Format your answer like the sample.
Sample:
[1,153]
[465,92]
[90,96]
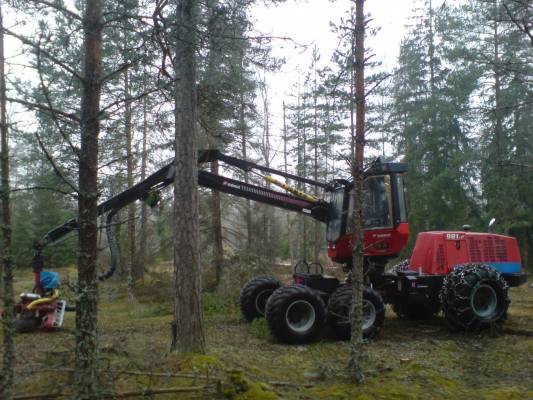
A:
[308,22]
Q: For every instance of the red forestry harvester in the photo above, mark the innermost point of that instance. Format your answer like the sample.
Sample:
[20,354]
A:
[466,274]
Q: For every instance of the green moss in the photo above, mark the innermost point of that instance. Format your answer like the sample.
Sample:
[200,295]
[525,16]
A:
[257,391]
[503,394]
[340,391]
[237,387]
[201,363]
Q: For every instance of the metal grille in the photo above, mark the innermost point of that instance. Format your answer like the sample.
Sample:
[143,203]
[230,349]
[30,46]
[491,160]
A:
[488,250]
[475,249]
[441,257]
[501,250]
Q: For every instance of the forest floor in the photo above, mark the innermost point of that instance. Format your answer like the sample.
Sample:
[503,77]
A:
[410,360]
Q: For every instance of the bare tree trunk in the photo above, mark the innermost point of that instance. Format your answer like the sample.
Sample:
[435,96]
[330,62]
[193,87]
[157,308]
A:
[358,145]
[305,223]
[498,120]
[267,210]
[85,376]
[242,122]
[141,259]
[431,51]
[315,129]
[130,256]
[289,222]
[187,327]
[300,145]
[6,379]
[216,220]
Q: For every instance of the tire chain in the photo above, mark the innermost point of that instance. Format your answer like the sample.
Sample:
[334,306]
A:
[401,266]
[454,283]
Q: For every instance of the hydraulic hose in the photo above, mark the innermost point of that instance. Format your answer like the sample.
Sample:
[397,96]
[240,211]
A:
[43,300]
[111,233]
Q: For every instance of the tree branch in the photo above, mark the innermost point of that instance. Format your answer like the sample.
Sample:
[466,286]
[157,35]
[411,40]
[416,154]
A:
[49,101]
[522,28]
[42,107]
[57,7]
[28,42]
[44,188]
[52,162]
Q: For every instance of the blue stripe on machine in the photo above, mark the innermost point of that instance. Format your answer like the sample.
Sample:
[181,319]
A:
[508,267]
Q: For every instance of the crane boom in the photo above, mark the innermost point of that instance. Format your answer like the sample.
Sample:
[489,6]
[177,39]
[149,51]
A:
[165,176]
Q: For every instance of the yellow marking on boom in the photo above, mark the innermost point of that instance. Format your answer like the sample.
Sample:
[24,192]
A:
[290,189]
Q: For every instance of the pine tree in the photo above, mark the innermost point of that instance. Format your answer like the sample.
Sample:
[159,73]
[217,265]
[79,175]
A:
[187,327]
[6,265]
[430,101]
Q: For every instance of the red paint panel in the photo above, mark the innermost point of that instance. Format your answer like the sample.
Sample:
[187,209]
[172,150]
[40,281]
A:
[436,253]
[377,242]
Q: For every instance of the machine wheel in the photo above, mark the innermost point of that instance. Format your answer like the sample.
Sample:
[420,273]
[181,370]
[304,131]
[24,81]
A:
[254,296]
[295,314]
[26,324]
[339,311]
[474,296]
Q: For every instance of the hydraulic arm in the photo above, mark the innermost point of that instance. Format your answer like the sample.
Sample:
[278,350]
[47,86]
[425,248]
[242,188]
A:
[149,188]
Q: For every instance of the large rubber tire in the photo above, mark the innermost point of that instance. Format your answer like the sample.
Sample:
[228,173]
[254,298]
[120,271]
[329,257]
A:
[474,296]
[26,324]
[295,314]
[254,296]
[339,311]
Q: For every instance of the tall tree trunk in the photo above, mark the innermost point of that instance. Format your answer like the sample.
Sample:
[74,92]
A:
[267,215]
[301,143]
[130,256]
[6,272]
[187,327]
[216,221]
[141,259]
[431,51]
[85,376]
[214,131]
[289,222]
[315,129]
[358,145]
[242,124]
[498,121]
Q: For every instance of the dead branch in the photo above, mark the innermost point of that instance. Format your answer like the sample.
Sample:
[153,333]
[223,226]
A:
[136,393]
[42,107]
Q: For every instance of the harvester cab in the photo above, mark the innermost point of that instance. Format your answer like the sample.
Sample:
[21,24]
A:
[385,224]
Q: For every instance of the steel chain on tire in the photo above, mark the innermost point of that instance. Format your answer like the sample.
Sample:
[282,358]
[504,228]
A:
[456,296]
[401,266]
